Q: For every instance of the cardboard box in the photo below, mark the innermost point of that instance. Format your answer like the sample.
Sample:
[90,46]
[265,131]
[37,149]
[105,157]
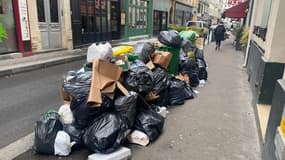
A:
[105,78]
[162,59]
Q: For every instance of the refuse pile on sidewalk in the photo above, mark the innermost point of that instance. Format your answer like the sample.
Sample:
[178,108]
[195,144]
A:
[121,96]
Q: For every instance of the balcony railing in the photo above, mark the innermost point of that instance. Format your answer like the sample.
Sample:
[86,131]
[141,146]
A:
[260,32]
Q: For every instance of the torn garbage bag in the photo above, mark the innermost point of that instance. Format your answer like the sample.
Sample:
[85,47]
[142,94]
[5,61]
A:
[150,122]
[125,106]
[85,113]
[139,79]
[176,92]
[106,134]
[170,38]
[144,50]
[45,132]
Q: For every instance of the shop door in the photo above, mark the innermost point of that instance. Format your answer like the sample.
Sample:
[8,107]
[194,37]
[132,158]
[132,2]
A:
[115,19]
[49,23]
[138,17]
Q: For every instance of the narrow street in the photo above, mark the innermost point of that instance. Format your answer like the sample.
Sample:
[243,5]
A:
[24,97]
[217,125]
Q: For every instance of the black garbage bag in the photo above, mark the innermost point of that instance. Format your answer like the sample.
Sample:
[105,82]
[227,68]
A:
[189,93]
[106,134]
[170,38]
[144,50]
[194,79]
[162,100]
[203,74]
[190,67]
[201,63]
[186,45]
[149,122]
[176,92]
[125,106]
[75,134]
[84,113]
[199,54]
[161,79]
[139,79]
[45,132]
[79,85]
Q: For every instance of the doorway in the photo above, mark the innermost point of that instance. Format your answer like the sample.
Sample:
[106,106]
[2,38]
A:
[49,23]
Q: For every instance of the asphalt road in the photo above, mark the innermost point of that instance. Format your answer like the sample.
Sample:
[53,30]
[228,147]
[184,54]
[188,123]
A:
[24,97]
[217,125]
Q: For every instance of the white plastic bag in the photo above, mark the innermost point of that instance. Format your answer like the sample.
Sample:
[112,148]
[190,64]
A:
[100,51]
[138,137]
[65,113]
[62,144]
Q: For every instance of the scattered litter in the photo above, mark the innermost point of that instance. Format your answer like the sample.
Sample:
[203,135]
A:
[138,137]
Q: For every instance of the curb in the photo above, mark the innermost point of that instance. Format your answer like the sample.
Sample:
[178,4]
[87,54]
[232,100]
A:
[44,64]
[17,148]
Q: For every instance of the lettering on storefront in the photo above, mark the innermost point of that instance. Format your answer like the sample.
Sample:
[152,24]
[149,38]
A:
[24,21]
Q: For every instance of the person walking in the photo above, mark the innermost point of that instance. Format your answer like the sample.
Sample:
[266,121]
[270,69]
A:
[220,31]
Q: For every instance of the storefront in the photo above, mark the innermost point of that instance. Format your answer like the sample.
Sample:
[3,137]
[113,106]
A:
[139,20]
[8,36]
[183,13]
[161,9]
[14,27]
[95,20]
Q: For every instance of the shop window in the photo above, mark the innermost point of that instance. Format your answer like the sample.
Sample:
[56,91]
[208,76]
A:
[41,11]
[266,13]
[8,41]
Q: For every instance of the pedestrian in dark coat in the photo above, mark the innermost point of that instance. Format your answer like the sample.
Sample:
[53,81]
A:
[220,35]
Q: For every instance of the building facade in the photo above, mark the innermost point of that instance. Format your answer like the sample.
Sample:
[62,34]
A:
[138,19]
[265,67]
[182,12]
[14,27]
[161,15]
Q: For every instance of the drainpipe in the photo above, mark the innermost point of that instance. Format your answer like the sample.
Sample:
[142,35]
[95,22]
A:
[250,33]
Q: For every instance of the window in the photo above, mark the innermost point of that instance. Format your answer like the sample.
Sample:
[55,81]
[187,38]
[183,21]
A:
[266,13]
[41,11]
[53,11]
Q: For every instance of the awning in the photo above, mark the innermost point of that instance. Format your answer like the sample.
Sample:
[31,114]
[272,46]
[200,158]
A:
[238,11]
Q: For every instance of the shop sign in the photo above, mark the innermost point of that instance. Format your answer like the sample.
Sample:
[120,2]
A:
[24,20]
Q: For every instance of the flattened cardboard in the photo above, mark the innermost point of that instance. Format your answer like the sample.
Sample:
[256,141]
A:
[150,65]
[162,59]
[105,78]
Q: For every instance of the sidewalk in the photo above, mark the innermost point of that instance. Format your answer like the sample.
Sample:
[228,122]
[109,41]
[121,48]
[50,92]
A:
[15,63]
[217,125]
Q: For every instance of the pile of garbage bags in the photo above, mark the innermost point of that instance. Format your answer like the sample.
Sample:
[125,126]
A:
[119,98]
